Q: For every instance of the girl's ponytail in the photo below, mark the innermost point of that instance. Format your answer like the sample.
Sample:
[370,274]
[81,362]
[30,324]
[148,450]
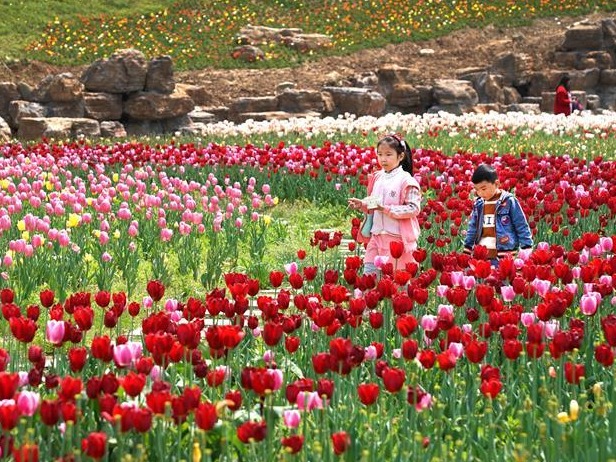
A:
[407,161]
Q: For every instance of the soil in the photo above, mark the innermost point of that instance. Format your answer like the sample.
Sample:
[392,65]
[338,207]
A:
[461,49]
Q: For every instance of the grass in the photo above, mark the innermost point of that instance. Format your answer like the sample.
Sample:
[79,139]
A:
[201,33]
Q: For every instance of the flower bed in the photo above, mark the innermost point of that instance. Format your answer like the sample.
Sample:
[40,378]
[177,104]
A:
[303,358]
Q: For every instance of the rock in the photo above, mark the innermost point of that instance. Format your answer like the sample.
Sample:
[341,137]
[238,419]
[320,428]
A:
[300,101]
[248,53]
[486,108]
[175,124]
[305,43]
[525,108]
[405,96]
[59,88]
[124,72]
[584,79]
[583,37]
[593,102]
[455,96]
[19,109]
[426,52]
[358,101]
[102,106]
[260,35]
[609,33]
[135,127]
[511,95]
[599,59]
[8,92]
[514,67]
[391,75]
[566,59]
[72,110]
[273,115]
[254,104]
[112,129]
[198,93]
[196,129]
[220,112]
[26,91]
[334,79]
[607,77]
[157,106]
[284,86]
[489,87]
[159,75]
[198,115]
[5,131]
[35,128]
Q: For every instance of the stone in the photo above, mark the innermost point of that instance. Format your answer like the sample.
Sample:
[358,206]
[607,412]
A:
[19,109]
[524,108]
[300,101]
[566,59]
[254,104]
[159,76]
[124,71]
[426,52]
[405,96]
[305,43]
[72,110]
[8,92]
[486,108]
[35,128]
[198,93]
[593,102]
[457,94]
[198,115]
[112,129]
[248,53]
[284,86]
[260,35]
[514,67]
[607,77]
[157,106]
[135,127]
[26,91]
[273,115]
[609,33]
[583,37]
[5,131]
[584,79]
[59,88]
[511,96]
[358,101]
[220,112]
[599,59]
[391,75]
[102,106]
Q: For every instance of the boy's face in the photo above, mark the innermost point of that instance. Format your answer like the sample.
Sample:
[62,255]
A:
[485,189]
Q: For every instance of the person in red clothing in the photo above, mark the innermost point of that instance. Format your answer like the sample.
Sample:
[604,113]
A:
[564,103]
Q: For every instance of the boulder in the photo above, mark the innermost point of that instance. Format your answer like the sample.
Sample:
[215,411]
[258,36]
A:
[391,75]
[159,75]
[259,35]
[59,88]
[248,53]
[583,37]
[593,102]
[514,67]
[404,96]
[489,87]
[157,106]
[358,101]
[607,77]
[102,106]
[598,59]
[198,93]
[220,112]
[305,43]
[198,115]
[254,104]
[511,95]
[35,128]
[124,72]
[8,92]
[112,129]
[5,131]
[486,108]
[19,109]
[609,33]
[455,96]
[73,110]
[300,101]
[135,127]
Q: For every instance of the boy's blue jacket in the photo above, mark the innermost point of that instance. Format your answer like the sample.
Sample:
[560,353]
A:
[512,230]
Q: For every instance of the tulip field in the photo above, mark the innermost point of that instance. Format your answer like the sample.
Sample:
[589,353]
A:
[204,299]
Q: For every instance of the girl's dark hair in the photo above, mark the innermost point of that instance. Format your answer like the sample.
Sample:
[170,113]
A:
[401,147]
[564,81]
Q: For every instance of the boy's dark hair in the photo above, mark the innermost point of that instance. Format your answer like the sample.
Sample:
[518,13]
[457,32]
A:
[401,147]
[484,172]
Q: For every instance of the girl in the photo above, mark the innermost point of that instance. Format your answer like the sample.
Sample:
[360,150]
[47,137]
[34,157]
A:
[392,206]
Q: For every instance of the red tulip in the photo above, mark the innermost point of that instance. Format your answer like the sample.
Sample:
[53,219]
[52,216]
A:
[46,297]
[291,344]
[574,372]
[276,278]
[292,444]
[272,333]
[102,298]
[29,452]
[133,384]
[406,325]
[491,388]
[475,351]
[206,416]
[252,431]
[142,419]
[156,290]
[8,385]
[50,412]
[368,393]
[341,442]
[604,355]
[393,379]
[77,358]
[396,249]
[94,445]
[7,295]
[23,329]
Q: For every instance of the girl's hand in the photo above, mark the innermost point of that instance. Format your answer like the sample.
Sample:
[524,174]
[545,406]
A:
[355,203]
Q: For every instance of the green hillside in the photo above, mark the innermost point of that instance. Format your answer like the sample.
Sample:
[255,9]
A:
[201,33]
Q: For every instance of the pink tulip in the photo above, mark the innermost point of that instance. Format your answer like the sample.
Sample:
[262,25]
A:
[308,400]
[28,402]
[370,353]
[527,319]
[428,322]
[54,332]
[589,303]
[291,418]
[507,293]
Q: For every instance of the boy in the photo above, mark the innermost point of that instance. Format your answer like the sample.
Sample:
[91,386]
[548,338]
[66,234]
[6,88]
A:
[497,221]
